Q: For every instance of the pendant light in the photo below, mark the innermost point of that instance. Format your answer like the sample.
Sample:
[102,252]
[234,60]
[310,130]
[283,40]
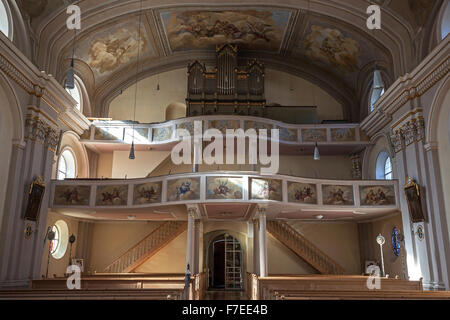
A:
[378,84]
[316,152]
[132,155]
[70,77]
[316,147]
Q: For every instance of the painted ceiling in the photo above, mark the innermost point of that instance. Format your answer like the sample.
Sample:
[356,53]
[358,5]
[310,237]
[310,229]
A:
[328,46]
[331,46]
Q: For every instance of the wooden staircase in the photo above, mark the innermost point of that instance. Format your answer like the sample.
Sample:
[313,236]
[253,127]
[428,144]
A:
[303,248]
[147,247]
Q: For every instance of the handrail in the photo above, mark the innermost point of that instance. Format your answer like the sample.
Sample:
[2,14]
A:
[165,132]
[303,247]
[146,247]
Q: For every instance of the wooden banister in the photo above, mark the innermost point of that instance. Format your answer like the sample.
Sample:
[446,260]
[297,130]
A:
[303,248]
[147,247]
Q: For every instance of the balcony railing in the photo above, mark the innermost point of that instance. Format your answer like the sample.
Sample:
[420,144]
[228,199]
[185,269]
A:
[214,187]
[163,133]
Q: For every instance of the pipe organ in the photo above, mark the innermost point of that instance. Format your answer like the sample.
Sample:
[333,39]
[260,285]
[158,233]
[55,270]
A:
[229,88]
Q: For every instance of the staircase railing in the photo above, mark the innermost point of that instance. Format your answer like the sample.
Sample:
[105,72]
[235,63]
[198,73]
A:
[147,247]
[303,248]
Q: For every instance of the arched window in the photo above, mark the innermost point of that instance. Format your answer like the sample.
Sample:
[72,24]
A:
[66,166]
[445,24]
[76,95]
[384,166]
[58,245]
[54,244]
[375,94]
[5,19]
[388,169]
[377,88]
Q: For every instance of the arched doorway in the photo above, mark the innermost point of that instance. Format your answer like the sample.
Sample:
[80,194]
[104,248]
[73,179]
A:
[225,262]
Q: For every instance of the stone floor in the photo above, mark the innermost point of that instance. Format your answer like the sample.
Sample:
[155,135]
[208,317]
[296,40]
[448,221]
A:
[225,295]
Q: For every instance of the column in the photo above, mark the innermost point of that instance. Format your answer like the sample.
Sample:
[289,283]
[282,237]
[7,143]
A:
[190,239]
[263,272]
[21,256]
[196,259]
[255,247]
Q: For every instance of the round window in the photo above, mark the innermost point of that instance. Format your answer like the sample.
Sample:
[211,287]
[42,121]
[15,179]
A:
[58,246]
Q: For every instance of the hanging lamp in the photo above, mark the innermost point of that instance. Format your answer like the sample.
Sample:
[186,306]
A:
[70,77]
[132,155]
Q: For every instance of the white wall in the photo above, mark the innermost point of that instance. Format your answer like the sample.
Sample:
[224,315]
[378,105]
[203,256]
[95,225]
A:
[6,135]
[444,151]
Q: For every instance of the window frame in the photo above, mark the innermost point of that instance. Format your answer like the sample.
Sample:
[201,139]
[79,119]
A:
[10,20]
[62,157]
[380,166]
[56,239]
[371,104]
[80,94]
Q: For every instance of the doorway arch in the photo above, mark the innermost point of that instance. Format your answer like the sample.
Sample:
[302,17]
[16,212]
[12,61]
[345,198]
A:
[225,263]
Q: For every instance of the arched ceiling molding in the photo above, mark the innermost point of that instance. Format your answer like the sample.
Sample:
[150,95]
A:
[329,83]
[396,33]
[14,108]
[436,106]
[20,33]
[395,36]
[72,140]
[433,29]
[365,80]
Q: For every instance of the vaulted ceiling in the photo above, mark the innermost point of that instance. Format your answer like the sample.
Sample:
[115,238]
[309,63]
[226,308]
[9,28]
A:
[324,41]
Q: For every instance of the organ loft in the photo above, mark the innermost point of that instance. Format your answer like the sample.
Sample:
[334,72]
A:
[229,88]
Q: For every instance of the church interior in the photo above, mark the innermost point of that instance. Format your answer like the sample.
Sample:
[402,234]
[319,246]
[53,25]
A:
[96,97]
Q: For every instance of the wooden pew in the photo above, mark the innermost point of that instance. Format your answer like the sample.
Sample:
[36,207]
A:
[334,287]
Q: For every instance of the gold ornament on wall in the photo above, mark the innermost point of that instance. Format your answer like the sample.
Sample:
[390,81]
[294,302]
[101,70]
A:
[28,231]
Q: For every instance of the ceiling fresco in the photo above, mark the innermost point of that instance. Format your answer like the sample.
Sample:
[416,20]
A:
[252,29]
[114,47]
[314,42]
[338,48]
[331,47]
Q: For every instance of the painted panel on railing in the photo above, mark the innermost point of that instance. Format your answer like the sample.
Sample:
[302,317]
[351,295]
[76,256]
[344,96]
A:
[258,125]
[183,189]
[302,192]
[377,195]
[314,135]
[102,134]
[189,126]
[265,189]
[224,188]
[223,125]
[289,135]
[338,195]
[72,195]
[115,195]
[343,134]
[162,134]
[147,193]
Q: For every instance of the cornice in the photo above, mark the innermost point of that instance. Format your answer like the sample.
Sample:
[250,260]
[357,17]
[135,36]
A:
[26,75]
[432,69]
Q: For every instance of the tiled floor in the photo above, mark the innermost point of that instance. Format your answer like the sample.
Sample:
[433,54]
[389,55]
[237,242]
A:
[225,295]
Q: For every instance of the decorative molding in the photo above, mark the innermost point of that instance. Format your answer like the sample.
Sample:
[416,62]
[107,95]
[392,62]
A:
[27,76]
[413,130]
[356,166]
[37,130]
[432,69]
